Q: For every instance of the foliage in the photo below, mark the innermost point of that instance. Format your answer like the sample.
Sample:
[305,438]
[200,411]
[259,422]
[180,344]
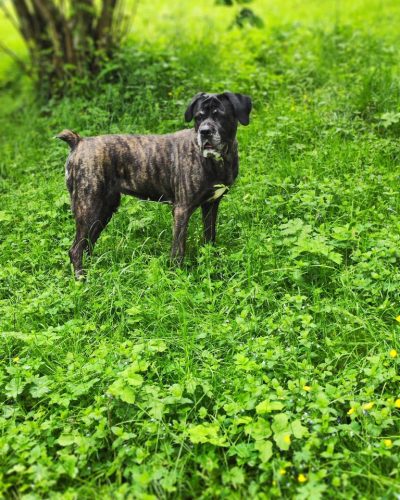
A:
[244,16]
[267,366]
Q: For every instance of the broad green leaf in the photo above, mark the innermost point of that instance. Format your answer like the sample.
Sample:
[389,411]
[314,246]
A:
[335,257]
[157,409]
[267,406]
[176,390]
[243,420]
[265,449]
[283,440]
[134,379]
[234,476]
[66,439]
[202,433]
[15,387]
[69,464]
[298,429]
[134,311]
[40,387]
[280,423]
[293,226]
[128,395]
[206,433]
[118,431]
[259,429]
[139,365]
[4,216]
[157,345]
[125,393]
[282,432]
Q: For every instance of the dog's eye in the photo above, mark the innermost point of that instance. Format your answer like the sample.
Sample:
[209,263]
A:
[199,115]
[215,112]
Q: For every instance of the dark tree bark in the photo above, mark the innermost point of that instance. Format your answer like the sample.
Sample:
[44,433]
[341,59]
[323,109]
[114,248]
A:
[67,39]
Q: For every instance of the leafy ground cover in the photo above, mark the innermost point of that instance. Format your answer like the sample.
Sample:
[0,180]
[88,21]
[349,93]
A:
[265,367]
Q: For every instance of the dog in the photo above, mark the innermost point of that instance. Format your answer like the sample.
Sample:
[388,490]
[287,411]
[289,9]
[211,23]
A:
[189,169]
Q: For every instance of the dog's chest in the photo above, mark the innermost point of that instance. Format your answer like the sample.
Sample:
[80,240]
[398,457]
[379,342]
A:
[218,179]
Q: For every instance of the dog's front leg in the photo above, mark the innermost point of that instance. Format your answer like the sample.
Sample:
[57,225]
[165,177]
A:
[181,220]
[210,211]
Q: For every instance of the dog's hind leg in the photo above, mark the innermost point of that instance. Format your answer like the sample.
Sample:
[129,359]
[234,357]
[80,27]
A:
[110,205]
[91,217]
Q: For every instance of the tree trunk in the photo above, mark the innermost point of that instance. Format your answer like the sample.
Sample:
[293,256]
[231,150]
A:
[68,40]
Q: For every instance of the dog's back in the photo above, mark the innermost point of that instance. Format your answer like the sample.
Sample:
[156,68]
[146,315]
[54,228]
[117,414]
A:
[146,166]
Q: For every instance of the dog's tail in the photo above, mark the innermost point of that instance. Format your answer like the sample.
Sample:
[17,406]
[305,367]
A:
[70,137]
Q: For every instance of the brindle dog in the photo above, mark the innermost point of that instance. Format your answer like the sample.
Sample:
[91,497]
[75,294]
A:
[188,169]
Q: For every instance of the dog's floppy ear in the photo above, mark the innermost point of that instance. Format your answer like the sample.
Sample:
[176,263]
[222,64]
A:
[242,106]
[189,110]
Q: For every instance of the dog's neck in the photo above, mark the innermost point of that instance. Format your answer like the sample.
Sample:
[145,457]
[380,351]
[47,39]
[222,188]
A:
[229,150]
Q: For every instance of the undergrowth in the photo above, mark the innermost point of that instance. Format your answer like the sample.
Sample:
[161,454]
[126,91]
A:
[265,367]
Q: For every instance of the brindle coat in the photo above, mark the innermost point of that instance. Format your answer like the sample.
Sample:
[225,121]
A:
[185,169]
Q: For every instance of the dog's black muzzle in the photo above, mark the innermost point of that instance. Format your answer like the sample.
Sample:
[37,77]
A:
[209,137]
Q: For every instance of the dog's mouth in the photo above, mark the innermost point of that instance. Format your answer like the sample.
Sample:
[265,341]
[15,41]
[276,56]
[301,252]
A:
[210,146]
[206,145]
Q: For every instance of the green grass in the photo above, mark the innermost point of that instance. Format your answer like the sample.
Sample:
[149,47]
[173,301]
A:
[232,376]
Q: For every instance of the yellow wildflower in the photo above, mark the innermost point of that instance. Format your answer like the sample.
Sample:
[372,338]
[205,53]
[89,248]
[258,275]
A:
[398,318]
[282,472]
[397,403]
[302,478]
[368,406]
[351,411]
[306,388]
[388,443]
[16,359]
[287,439]
[393,353]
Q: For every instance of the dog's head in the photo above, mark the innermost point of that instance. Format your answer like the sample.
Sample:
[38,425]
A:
[216,117]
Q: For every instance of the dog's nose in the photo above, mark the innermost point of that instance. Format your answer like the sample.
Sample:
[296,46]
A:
[205,131]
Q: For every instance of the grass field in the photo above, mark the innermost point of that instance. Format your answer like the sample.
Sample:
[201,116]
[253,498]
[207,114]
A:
[267,366]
